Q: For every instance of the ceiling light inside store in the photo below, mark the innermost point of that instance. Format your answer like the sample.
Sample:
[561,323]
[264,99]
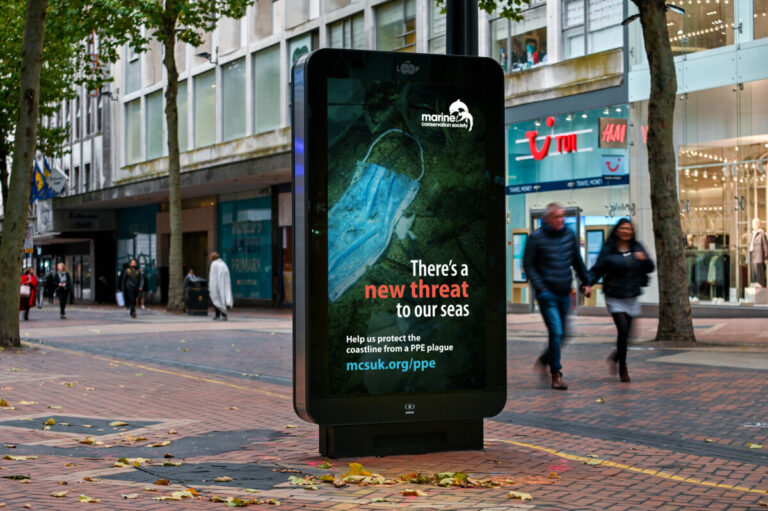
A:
[584,116]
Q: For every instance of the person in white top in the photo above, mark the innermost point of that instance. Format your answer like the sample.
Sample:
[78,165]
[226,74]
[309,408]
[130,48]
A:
[219,286]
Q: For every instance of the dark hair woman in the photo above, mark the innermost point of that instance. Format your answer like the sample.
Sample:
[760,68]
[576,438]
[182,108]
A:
[624,265]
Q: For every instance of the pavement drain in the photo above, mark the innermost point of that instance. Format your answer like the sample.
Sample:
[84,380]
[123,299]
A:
[90,426]
[244,475]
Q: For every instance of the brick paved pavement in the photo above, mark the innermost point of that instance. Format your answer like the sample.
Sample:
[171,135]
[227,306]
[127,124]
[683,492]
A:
[675,438]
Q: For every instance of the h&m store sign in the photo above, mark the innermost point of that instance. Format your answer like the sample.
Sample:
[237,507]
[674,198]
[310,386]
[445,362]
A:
[613,133]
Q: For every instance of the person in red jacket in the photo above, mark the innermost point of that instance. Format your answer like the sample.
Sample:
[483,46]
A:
[27,292]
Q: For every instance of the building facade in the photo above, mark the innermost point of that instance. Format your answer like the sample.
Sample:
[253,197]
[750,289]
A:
[576,96]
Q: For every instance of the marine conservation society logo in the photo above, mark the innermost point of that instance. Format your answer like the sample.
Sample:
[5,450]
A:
[458,116]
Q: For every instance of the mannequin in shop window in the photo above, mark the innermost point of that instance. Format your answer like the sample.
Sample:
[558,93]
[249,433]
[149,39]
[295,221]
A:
[758,253]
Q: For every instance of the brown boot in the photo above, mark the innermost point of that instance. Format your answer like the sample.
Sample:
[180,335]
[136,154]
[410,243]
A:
[558,383]
[623,374]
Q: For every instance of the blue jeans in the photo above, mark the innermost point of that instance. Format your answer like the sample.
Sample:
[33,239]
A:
[554,310]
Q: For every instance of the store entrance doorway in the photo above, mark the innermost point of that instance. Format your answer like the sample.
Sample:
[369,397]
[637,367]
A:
[572,222]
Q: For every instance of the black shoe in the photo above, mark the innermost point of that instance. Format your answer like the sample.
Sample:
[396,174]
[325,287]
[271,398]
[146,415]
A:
[63,316]
[623,374]
[223,317]
[133,314]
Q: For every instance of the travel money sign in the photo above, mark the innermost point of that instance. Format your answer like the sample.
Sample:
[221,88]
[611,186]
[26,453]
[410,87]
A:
[399,269]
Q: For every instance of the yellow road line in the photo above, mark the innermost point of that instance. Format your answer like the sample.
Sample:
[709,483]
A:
[165,371]
[606,463]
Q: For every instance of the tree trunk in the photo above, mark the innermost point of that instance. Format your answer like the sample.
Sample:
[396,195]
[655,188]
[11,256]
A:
[4,178]
[24,147]
[175,260]
[675,322]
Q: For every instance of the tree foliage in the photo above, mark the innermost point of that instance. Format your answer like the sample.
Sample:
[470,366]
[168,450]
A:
[81,39]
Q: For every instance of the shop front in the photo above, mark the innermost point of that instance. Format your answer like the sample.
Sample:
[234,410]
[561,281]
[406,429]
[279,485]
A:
[578,160]
[721,138]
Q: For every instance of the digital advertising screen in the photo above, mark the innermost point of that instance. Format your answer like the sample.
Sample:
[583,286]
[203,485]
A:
[403,307]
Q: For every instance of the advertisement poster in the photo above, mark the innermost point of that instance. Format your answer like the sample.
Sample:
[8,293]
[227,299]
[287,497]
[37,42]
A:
[406,236]
[518,249]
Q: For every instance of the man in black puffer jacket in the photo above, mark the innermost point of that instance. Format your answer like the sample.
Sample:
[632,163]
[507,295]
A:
[550,253]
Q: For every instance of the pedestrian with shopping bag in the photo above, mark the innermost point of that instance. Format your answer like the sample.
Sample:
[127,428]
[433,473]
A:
[27,291]
[131,286]
[624,265]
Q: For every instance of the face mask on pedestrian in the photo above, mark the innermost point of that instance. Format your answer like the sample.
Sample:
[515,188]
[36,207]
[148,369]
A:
[360,224]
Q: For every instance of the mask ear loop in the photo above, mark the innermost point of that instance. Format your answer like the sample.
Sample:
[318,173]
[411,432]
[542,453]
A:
[421,150]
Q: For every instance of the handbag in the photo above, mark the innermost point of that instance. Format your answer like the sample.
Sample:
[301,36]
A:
[25,291]
[120,299]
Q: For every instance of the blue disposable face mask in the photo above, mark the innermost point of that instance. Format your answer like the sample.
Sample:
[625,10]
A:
[360,224]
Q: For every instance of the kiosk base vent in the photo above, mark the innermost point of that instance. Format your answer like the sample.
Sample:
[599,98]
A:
[401,438]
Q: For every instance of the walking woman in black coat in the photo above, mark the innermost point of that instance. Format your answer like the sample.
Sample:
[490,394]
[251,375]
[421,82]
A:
[624,266]
[62,283]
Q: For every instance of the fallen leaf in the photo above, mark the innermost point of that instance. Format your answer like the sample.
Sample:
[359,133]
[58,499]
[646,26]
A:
[27,506]
[233,408]
[90,388]
[172,464]
[62,483]
[149,488]
[138,374]
[54,407]
[3,402]
[413,493]
[172,432]
[553,475]
[19,458]
[754,446]
[87,425]
[70,383]
[708,440]
[519,495]
[379,499]
[325,465]
[251,490]
[116,424]
[139,439]
[130,495]
[161,444]
[50,422]
[290,426]
[356,469]
[70,464]
[167,455]
[223,479]
[91,479]
[162,482]
[27,403]
[762,503]
[88,440]
[17,477]
[89,500]
[600,400]
[593,462]
[59,494]
[272,502]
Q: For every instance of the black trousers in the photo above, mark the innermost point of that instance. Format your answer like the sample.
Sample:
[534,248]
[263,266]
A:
[623,322]
[62,296]
[130,299]
[26,307]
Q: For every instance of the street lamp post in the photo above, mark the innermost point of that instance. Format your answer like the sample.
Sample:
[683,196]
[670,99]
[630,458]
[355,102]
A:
[461,27]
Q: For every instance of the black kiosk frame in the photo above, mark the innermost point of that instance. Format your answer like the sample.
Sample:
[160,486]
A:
[417,418]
